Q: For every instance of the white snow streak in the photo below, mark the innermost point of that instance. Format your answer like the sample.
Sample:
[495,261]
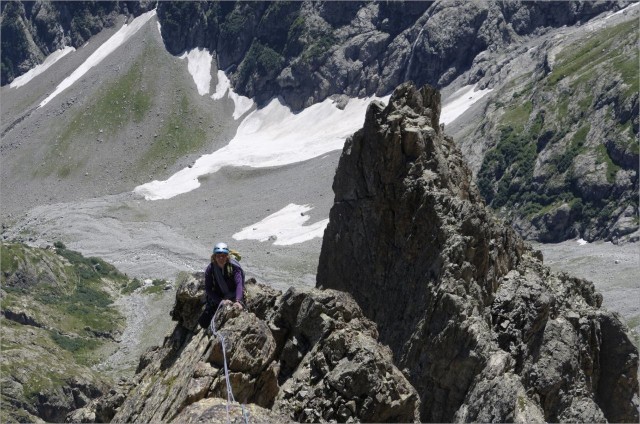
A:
[460,101]
[272,136]
[582,242]
[242,104]
[285,226]
[101,52]
[38,69]
[199,65]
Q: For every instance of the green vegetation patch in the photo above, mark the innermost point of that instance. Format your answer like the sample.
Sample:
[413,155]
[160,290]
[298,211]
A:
[62,288]
[565,160]
[180,135]
[127,99]
[131,286]
[157,286]
[510,164]
[602,156]
[262,60]
[516,117]
[602,46]
[80,347]
[92,268]
[318,47]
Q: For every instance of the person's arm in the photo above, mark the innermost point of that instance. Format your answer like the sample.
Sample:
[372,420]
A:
[237,276]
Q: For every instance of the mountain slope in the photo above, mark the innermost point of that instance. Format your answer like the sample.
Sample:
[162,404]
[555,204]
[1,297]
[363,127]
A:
[562,142]
[58,320]
[140,119]
[361,49]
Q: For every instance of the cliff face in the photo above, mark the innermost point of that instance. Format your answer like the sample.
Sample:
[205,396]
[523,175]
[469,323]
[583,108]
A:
[484,330]
[308,51]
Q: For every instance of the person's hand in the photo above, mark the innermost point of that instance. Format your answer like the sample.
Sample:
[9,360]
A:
[226,302]
[237,305]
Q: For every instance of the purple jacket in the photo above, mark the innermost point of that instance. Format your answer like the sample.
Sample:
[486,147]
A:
[231,287]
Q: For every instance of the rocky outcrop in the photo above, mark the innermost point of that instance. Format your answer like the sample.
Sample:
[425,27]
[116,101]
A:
[303,356]
[484,331]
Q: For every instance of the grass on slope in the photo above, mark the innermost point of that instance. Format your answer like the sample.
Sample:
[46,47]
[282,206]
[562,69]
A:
[615,47]
[69,295]
[180,134]
[59,314]
[126,100]
[555,115]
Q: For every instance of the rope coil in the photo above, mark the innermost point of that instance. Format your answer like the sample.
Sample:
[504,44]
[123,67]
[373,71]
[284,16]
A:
[220,336]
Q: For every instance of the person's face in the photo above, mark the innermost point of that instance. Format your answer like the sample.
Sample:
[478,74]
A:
[221,259]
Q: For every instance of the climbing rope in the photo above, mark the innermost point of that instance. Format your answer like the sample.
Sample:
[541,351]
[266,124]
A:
[230,398]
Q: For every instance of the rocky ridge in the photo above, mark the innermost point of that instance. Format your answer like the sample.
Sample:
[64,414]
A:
[303,356]
[481,327]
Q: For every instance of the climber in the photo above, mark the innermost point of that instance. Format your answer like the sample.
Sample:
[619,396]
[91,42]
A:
[223,283]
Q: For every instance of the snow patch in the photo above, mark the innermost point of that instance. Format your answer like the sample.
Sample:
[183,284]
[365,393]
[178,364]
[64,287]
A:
[223,87]
[460,101]
[582,242]
[271,136]
[38,69]
[199,65]
[286,227]
[101,52]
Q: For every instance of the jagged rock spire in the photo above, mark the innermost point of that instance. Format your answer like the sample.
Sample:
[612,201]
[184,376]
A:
[469,311]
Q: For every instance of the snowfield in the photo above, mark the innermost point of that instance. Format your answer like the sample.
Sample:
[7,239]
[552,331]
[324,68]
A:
[284,227]
[275,136]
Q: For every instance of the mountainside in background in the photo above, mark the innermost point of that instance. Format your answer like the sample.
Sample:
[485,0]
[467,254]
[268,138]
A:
[482,329]
[562,141]
[575,148]
[564,90]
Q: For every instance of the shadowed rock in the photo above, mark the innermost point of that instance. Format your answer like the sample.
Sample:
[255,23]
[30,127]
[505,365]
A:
[485,331]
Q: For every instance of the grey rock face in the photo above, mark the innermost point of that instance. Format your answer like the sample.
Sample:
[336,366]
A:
[483,329]
[304,356]
[308,51]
